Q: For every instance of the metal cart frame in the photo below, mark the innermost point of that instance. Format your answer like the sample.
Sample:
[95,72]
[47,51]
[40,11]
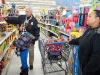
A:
[52,66]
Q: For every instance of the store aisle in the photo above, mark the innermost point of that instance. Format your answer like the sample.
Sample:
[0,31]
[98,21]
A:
[14,67]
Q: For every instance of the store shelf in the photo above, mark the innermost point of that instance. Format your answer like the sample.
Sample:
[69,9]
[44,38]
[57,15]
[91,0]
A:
[44,34]
[48,19]
[7,35]
[40,26]
[51,25]
[54,37]
[4,71]
[5,50]
[41,23]
[64,33]
[50,31]
[2,22]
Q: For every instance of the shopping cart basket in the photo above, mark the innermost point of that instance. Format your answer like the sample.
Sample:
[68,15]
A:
[52,56]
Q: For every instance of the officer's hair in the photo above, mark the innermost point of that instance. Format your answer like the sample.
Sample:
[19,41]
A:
[29,8]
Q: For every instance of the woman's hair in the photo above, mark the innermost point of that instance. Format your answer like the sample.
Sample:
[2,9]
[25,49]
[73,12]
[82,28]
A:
[97,13]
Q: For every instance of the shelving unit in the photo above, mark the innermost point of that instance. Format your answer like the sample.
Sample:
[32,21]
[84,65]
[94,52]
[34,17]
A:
[50,31]
[4,71]
[3,22]
[7,35]
[47,24]
[44,33]
[51,25]
[45,29]
[64,33]
[6,49]
[5,56]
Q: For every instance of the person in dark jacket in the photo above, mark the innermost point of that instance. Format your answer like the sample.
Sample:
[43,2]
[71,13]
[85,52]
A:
[34,29]
[89,46]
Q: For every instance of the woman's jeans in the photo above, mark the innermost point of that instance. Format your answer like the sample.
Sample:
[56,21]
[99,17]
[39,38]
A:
[23,56]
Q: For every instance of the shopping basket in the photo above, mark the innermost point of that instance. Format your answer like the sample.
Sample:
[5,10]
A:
[54,50]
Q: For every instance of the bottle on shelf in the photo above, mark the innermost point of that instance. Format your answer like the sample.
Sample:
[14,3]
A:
[0,68]
[1,50]
[2,63]
[3,46]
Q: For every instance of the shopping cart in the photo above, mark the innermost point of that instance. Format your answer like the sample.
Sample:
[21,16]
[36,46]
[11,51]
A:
[54,56]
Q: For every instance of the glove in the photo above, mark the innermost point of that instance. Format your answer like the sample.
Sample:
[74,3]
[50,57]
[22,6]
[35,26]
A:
[17,52]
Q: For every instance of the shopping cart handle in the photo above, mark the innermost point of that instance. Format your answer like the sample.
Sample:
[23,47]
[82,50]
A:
[59,42]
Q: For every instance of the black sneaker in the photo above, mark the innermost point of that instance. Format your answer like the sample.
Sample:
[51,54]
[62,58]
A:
[21,68]
[31,67]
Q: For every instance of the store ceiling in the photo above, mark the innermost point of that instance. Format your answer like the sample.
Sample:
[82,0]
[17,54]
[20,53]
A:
[35,4]
[48,4]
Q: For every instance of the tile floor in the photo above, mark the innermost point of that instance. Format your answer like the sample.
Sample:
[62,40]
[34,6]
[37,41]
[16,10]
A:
[14,67]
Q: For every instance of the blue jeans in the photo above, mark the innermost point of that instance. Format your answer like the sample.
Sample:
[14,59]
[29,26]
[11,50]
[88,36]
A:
[23,56]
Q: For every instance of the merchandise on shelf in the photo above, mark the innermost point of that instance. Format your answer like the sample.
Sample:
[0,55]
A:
[57,30]
[49,30]
[3,2]
[50,18]
[1,50]
[0,34]
[7,56]
[7,36]
[8,28]
[64,37]
[74,21]
[0,15]
[2,65]
[69,21]
[50,23]
[6,59]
